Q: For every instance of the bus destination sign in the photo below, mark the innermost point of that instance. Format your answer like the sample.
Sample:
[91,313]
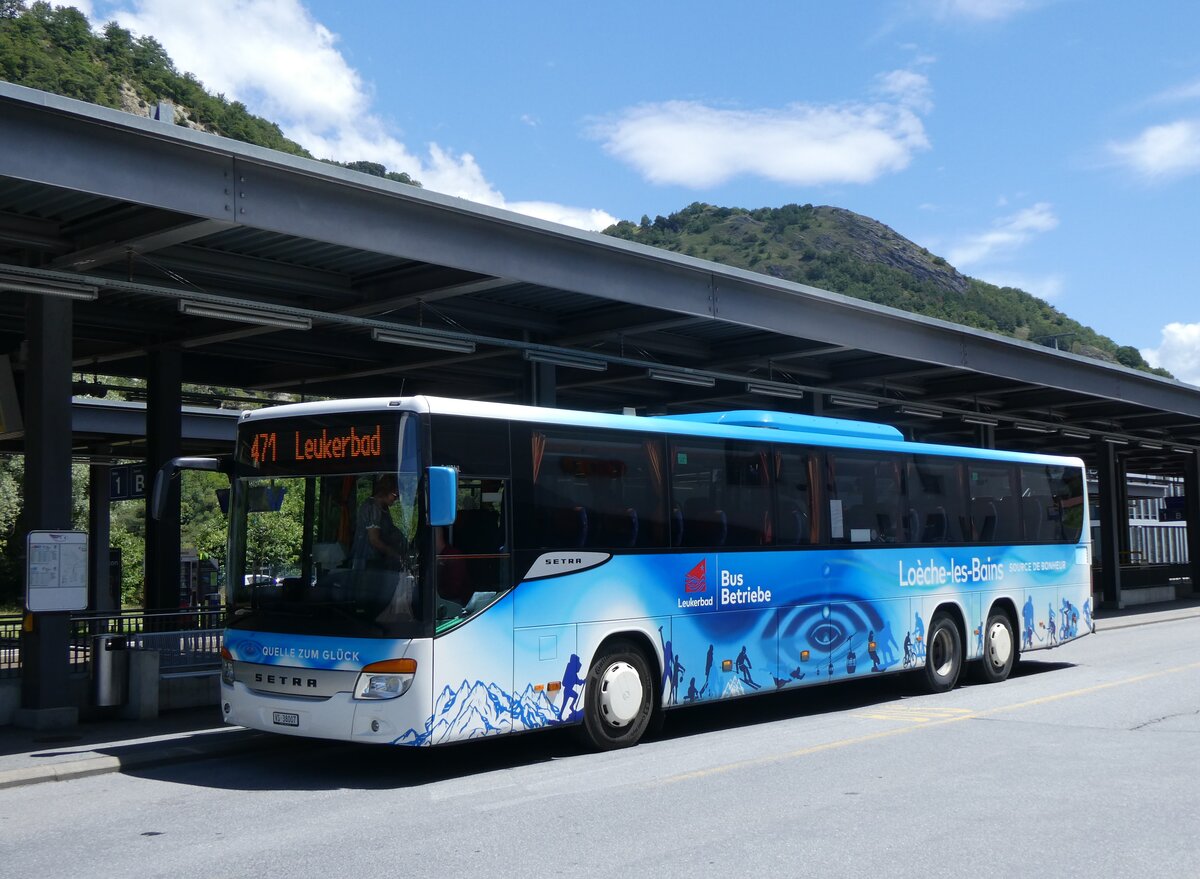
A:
[318,445]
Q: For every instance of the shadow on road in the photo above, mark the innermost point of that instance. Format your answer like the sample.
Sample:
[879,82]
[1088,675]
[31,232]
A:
[288,763]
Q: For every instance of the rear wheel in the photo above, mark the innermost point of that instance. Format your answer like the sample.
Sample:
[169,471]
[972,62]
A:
[943,654]
[618,697]
[999,648]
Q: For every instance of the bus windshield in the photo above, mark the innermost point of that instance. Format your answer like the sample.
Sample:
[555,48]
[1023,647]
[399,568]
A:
[326,536]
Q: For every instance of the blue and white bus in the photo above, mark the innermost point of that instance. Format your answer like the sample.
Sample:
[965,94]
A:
[464,569]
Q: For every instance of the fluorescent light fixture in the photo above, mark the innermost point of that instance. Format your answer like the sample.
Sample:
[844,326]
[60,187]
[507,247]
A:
[1154,446]
[570,361]
[919,412]
[1033,428]
[1182,451]
[82,292]
[1116,441]
[852,402]
[254,316]
[1075,434]
[775,389]
[981,420]
[681,378]
[420,340]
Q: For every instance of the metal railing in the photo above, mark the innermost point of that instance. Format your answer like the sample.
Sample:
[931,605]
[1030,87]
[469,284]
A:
[187,641]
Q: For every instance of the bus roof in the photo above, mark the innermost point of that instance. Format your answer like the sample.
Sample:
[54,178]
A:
[759,425]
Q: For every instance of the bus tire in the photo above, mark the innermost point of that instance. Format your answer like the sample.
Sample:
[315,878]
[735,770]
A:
[618,697]
[943,654]
[999,648]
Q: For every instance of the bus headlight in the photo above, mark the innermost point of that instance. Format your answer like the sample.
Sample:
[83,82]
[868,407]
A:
[227,675]
[389,679]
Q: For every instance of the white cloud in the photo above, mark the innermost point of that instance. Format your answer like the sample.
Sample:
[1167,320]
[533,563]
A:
[1161,151]
[981,10]
[1006,235]
[273,56]
[1048,287]
[1179,352]
[690,144]
[1189,91]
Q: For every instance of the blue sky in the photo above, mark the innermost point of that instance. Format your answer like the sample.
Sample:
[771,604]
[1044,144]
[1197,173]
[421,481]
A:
[1053,145]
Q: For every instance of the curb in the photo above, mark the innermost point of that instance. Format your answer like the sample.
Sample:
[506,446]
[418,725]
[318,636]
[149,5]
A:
[1134,620]
[149,756]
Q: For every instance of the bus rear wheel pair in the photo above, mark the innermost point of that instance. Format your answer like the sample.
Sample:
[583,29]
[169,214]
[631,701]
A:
[944,652]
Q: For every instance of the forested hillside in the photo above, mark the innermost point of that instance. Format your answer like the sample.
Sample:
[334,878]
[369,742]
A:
[54,49]
[838,250]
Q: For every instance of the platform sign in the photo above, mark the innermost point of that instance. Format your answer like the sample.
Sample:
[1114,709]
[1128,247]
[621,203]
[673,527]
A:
[57,571]
[126,482]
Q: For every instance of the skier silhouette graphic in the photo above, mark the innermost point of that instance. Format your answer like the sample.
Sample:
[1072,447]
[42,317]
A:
[707,668]
[743,667]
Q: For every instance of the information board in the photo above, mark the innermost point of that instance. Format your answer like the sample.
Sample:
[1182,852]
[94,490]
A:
[57,571]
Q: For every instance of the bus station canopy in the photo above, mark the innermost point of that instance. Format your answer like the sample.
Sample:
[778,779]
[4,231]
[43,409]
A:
[276,273]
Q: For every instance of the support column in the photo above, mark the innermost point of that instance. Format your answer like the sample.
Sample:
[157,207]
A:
[45,657]
[164,428]
[985,436]
[543,379]
[103,595]
[1191,490]
[1113,517]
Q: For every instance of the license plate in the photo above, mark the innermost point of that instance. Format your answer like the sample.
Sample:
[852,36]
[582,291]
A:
[285,718]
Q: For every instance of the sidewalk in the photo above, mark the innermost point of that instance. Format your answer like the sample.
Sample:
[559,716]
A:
[96,747]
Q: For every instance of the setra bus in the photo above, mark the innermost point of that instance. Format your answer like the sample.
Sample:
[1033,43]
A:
[462,569]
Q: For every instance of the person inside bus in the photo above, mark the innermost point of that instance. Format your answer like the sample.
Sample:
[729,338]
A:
[378,543]
[454,583]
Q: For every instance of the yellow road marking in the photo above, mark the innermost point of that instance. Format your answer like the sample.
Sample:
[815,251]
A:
[911,714]
[883,734]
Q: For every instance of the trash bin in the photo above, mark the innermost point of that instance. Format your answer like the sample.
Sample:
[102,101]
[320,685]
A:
[110,670]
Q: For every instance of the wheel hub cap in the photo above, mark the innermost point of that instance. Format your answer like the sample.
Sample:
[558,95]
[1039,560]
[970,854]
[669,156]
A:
[999,645]
[620,694]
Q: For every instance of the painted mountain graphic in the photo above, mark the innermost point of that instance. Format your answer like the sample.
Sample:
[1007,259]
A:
[473,710]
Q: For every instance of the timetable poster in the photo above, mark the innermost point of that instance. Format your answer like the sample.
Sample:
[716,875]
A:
[57,574]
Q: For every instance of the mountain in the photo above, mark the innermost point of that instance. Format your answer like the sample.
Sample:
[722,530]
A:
[839,250]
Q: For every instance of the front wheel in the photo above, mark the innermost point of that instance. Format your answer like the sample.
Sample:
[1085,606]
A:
[943,655]
[618,697]
[999,649]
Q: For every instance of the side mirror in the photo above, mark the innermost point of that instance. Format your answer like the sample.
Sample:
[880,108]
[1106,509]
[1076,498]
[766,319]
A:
[443,495]
[168,471]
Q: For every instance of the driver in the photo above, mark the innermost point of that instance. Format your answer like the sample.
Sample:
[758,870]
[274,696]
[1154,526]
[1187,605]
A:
[378,543]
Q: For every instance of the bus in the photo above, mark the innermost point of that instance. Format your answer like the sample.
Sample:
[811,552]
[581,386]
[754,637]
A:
[461,569]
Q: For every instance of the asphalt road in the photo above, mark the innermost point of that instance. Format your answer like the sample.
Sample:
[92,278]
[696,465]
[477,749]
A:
[1085,763]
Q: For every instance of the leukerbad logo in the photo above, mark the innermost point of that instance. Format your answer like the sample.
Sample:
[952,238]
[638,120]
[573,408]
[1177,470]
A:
[695,581]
